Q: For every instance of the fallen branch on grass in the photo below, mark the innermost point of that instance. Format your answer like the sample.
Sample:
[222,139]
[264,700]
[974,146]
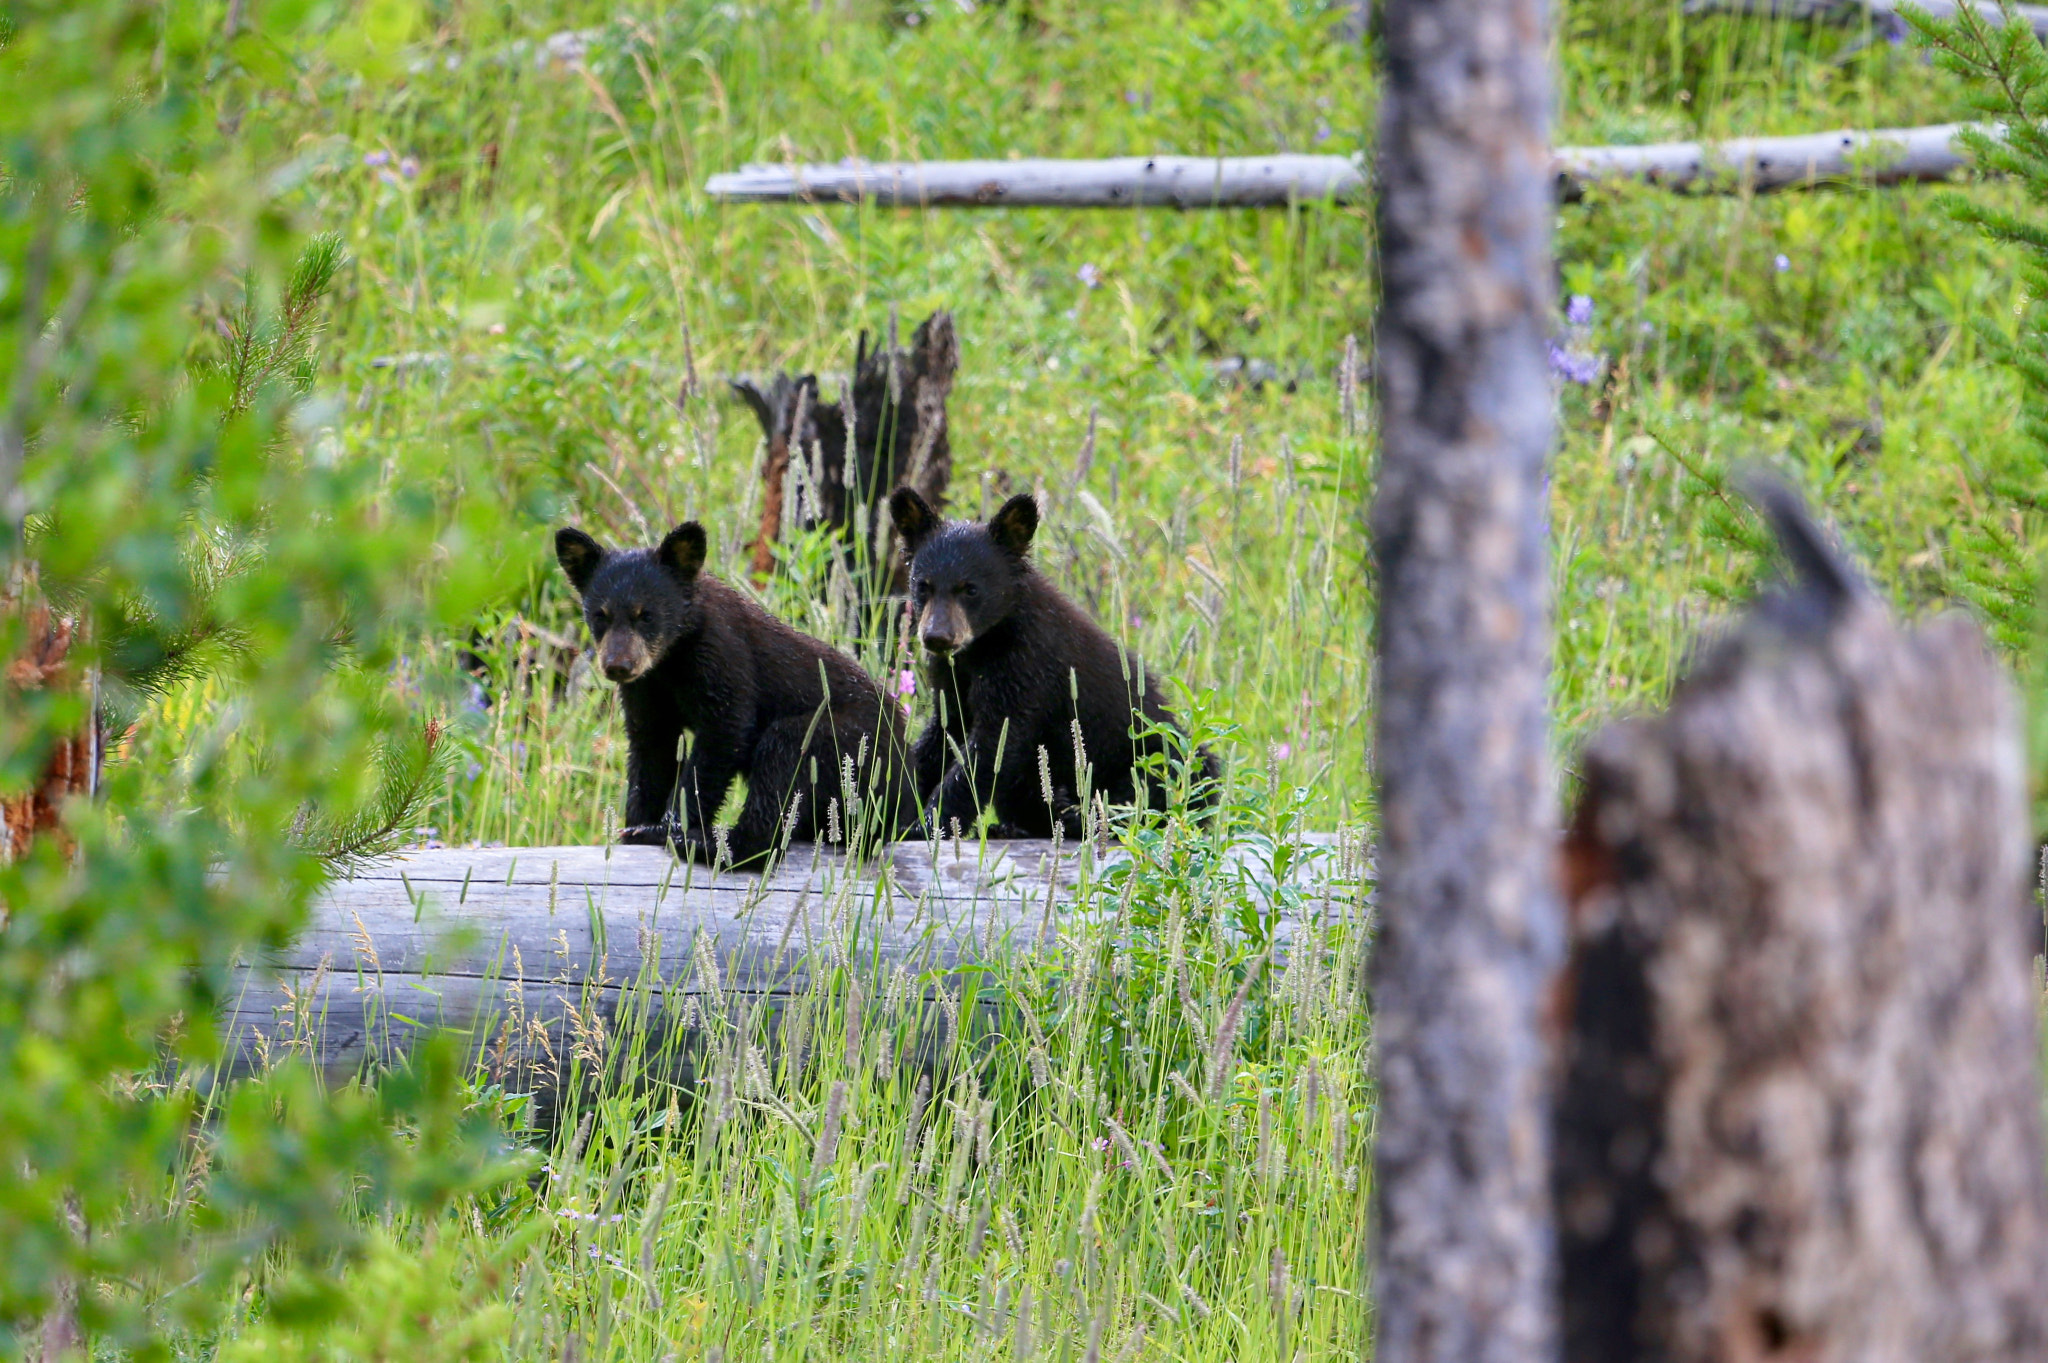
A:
[1881,11]
[1881,156]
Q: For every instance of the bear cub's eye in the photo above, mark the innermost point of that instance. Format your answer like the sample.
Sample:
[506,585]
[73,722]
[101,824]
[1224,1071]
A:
[639,612]
[969,590]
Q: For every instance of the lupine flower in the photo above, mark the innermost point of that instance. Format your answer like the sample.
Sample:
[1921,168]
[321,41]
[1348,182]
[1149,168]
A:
[1322,130]
[1573,367]
[374,159]
[409,168]
[1579,311]
[1089,276]
[1782,263]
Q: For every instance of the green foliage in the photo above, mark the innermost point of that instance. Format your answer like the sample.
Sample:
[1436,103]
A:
[280,481]
[2006,69]
[169,480]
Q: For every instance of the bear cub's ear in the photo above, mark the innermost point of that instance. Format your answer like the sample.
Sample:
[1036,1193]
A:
[1015,523]
[915,520]
[579,556]
[682,550]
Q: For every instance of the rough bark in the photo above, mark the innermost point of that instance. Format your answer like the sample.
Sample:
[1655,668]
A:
[1740,164]
[1471,927]
[895,405]
[1800,1109]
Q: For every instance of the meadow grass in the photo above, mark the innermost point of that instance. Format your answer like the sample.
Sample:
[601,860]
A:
[544,315]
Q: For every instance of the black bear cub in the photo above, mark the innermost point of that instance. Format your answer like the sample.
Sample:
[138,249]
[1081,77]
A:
[761,701]
[1004,646]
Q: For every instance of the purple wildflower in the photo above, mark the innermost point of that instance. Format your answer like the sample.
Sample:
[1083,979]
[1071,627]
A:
[1322,130]
[1573,367]
[1782,263]
[1579,311]
[906,683]
[409,168]
[1893,27]
[374,159]
[387,178]
[1089,276]
[1282,751]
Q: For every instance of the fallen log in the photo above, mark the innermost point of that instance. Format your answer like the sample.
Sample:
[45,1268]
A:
[1880,156]
[530,950]
[1880,11]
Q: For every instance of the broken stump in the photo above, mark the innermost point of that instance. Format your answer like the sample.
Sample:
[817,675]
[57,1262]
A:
[1800,1115]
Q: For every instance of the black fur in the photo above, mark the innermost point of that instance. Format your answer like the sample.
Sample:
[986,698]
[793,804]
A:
[1002,644]
[691,654]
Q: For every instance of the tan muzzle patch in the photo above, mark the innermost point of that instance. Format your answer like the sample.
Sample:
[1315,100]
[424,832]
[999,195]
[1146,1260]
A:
[623,656]
[944,627]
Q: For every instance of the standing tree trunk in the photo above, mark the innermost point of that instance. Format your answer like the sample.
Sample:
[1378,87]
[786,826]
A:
[1801,1108]
[1471,927]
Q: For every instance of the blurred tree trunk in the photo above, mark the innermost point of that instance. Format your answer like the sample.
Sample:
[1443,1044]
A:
[1471,926]
[1801,1111]
[43,663]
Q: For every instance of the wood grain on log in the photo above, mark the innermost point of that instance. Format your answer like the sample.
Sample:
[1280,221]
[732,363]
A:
[1801,1109]
[1838,11]
[1877,156]
[507,942]
[1470,924]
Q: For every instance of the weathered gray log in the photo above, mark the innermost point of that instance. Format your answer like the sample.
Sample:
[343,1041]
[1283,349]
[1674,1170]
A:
[1119,182]
[1879,156]
[1882,156]
[1470,923]
[1841,11]
[1801,1112]
[526,947]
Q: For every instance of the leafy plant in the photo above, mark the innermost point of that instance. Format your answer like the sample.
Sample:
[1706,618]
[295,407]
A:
[169,487]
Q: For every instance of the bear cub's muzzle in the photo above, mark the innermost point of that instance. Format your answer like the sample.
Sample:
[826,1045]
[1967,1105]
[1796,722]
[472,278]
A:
[623,656]
[944,627]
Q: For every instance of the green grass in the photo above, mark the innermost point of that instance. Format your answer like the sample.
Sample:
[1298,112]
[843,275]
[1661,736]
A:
[517,321]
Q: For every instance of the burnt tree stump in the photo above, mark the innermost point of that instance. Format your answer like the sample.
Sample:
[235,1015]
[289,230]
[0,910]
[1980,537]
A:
[835,463]
[72,767]
[1800,1114]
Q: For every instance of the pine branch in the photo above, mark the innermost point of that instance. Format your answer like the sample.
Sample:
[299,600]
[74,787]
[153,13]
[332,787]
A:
[408,775]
